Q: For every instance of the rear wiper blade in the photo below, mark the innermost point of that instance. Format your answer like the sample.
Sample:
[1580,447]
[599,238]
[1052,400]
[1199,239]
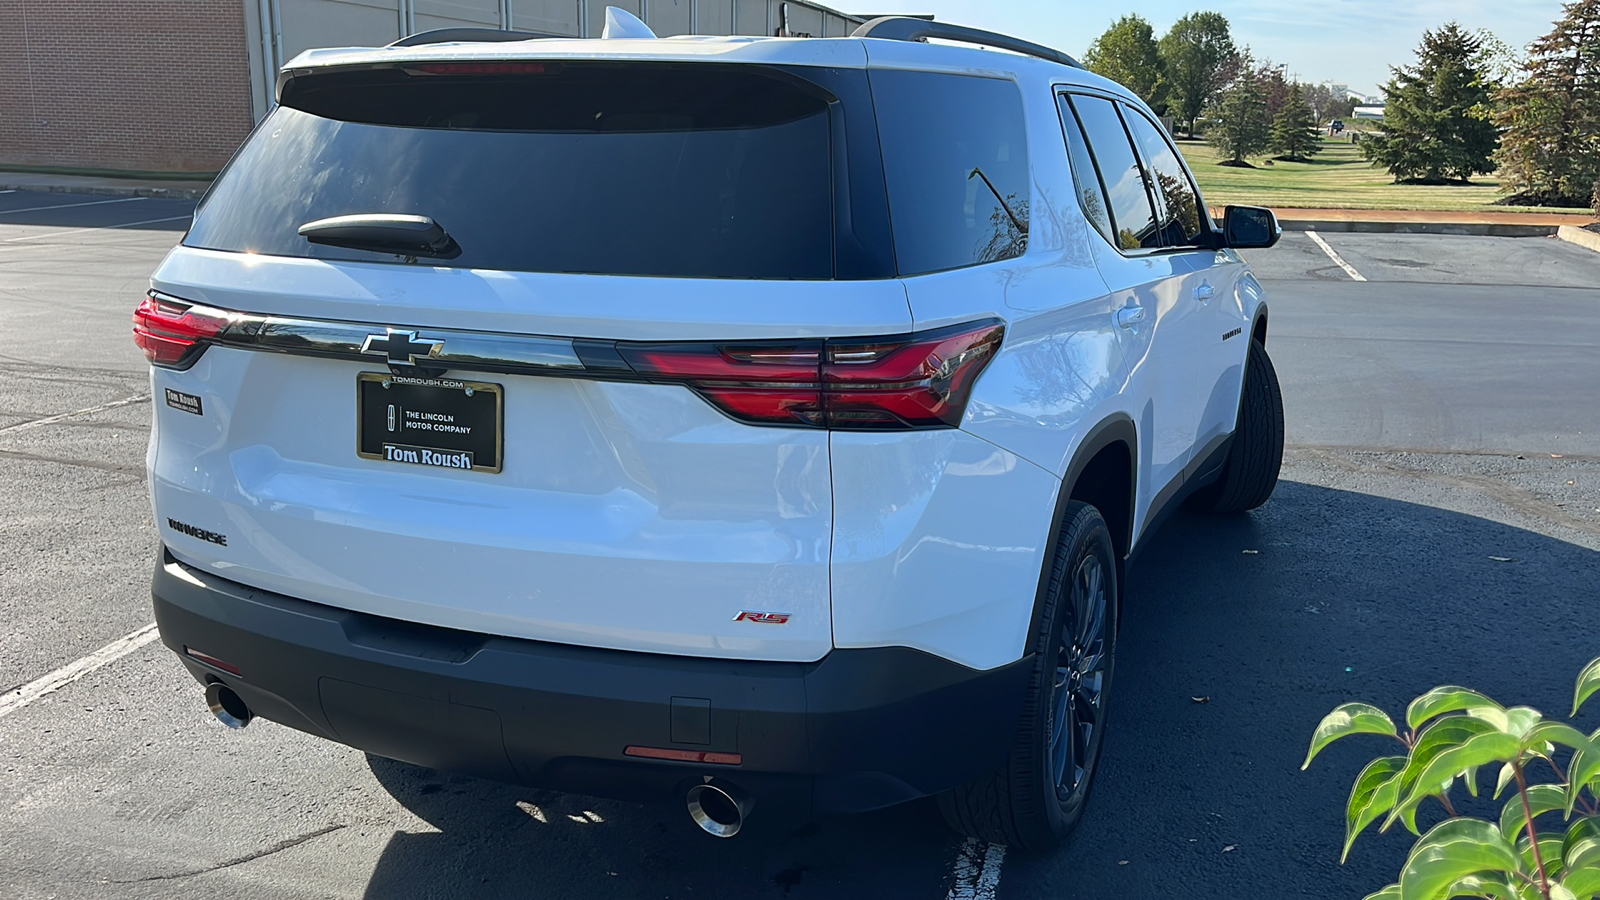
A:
[384,233]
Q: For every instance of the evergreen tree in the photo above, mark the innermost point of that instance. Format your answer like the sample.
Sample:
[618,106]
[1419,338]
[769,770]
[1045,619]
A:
[1128,54]
[1550,149]
[1196,54]
[1436,126]
[1295,134]
[1239,126]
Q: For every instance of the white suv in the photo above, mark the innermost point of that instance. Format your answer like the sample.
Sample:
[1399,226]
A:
[734,420]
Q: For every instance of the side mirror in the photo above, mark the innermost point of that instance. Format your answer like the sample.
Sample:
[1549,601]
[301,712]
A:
[1249,227]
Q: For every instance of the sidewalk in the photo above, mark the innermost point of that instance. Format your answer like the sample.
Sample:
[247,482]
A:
[93,184]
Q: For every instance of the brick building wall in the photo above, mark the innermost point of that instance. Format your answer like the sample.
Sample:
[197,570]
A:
[127,85]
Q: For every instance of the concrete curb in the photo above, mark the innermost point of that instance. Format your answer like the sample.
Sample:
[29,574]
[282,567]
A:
[1494,229]
[112,190]
[1583,237]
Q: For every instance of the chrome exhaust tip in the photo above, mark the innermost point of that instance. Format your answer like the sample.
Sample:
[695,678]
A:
[227,706]
[719,808]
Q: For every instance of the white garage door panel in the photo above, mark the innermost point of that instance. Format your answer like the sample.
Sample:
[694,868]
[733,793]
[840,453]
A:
[669,17]
[550,16]
[431,14]
[750,16]
[337,23]
[715,17]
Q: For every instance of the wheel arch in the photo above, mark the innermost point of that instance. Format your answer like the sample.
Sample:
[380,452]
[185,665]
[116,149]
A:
[1258,325]
[1104,473]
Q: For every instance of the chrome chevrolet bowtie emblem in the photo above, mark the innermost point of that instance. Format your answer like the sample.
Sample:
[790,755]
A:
[401,347]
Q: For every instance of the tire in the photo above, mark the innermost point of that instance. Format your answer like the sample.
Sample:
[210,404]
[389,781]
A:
[1026,803]
[1250,473]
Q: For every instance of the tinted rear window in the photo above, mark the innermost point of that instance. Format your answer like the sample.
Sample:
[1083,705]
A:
[955,158]
[671,170]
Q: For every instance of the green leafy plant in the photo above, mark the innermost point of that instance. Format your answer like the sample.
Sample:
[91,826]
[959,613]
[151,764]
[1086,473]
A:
[1452,733]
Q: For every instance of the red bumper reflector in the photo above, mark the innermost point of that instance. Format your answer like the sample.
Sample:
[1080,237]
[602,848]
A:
[211,661]
[694,756]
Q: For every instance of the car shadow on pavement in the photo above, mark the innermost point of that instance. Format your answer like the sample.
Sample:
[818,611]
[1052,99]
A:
[1239,633]
[1242,632]
[498,840]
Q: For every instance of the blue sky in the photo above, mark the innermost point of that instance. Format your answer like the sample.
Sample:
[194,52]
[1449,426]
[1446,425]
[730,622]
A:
[1352,41]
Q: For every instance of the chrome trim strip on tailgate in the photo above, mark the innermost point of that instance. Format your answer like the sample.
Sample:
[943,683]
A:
[447,348]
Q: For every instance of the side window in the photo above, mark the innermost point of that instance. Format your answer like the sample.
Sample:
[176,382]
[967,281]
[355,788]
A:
[1091,194]
[1180,202]
[956,164]
[1124,180]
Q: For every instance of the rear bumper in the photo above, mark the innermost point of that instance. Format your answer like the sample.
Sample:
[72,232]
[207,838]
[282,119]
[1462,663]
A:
[858,730]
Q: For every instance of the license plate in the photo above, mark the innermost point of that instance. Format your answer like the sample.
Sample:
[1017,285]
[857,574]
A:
[440,423]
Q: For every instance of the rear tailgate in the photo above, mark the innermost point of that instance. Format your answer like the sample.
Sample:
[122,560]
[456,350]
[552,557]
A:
[618,513]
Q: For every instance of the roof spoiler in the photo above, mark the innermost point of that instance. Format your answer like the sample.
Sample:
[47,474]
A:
[469,35]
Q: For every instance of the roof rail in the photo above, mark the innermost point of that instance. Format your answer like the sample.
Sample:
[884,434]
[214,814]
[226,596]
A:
[906,28]
[453,35]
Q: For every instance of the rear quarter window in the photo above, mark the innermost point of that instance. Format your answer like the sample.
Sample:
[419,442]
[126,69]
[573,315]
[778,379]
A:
[955,160]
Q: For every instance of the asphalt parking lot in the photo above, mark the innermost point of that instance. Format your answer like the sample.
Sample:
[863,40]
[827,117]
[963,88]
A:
[1439,521]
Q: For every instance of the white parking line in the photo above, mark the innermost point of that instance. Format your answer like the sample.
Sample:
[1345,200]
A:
[976,871]
[51,420]
[51,234]
[67,674]
[71,205]
[1348,269]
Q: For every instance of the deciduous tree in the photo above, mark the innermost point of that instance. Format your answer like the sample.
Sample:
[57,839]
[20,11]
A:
[1550,149]
[1196,53]
[1327,105]
[1128,54]
[1274,87]
[1436,122]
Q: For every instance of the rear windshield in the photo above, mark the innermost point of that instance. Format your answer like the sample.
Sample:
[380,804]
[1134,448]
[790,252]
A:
[701,170]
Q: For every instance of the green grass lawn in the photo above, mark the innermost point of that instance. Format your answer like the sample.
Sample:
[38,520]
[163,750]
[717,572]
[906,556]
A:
[1336,178]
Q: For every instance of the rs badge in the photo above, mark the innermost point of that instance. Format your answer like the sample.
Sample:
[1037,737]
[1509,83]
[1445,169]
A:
[765,618]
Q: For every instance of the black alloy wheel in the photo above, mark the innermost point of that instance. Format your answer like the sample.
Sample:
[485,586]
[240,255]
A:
[1034,800]
[1078,702]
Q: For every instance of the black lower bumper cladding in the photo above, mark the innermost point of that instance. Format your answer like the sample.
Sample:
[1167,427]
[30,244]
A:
[858,730]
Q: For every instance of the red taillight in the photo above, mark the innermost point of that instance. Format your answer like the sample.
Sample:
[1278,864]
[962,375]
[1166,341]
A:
[172,333]
[915,381]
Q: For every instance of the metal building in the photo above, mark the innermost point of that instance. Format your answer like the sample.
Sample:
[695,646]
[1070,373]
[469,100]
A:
[280,29]
[168,88]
